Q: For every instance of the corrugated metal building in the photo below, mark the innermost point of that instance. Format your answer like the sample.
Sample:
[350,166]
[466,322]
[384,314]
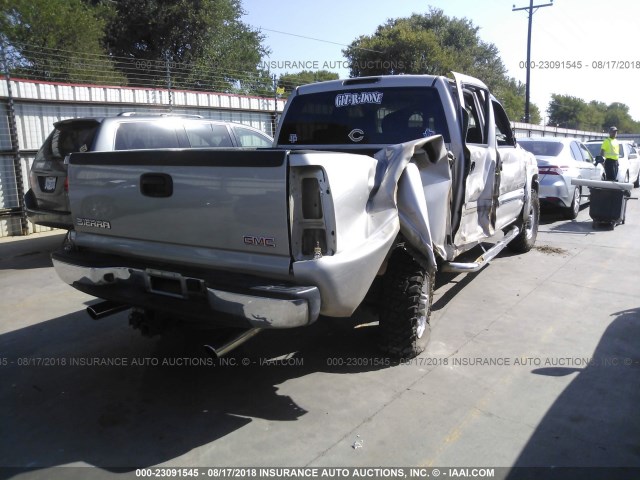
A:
[37,105]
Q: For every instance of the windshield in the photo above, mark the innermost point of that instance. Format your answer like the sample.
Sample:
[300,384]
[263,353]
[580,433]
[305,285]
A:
[364,117]
[542,149]
[594,148]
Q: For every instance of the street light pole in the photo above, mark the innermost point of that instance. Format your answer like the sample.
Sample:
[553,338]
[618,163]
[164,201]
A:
[527,115]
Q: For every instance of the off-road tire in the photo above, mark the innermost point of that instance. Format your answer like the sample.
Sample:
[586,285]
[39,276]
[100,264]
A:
[528,224]
[571,212]
[406,309]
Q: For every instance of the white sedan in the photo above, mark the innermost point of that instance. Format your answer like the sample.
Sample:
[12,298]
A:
[560,160]
[628,163]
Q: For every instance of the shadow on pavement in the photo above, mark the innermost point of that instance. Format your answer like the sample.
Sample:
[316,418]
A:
[29,252]
[595,422]
[174,400]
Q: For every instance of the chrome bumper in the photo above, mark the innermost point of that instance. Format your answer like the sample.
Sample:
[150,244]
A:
[264,306]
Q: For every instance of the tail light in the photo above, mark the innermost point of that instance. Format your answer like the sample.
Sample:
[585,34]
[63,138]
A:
[552,170]
[311,212]
[66,184]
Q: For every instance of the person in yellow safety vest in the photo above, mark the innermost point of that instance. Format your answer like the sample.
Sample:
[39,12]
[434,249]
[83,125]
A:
[610,150]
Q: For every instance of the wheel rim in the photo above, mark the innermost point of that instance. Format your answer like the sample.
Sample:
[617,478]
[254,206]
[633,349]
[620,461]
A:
[421,325]
[576,202]
[529,224]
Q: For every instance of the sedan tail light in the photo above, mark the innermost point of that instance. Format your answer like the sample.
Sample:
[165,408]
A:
[552,170]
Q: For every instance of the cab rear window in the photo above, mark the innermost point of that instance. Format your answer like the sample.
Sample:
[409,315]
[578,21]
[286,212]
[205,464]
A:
[364,116]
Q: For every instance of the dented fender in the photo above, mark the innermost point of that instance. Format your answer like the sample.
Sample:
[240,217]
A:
[416,182]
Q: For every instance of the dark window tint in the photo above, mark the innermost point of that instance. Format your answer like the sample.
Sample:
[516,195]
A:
[504,134]
[67,138]
[594,148]
[142,135]
[364,116]
[543,149]
[207,135]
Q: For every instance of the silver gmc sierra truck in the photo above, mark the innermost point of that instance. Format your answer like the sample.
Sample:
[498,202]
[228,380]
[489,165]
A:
[373,185]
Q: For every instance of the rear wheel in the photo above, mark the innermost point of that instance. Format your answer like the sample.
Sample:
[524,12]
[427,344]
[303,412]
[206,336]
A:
[404,318]
[573,210]
[528,224]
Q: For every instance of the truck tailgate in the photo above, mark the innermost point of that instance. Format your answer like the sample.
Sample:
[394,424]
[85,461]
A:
[214,203]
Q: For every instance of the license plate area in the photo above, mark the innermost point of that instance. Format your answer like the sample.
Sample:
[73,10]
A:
[172,284]
[49,184]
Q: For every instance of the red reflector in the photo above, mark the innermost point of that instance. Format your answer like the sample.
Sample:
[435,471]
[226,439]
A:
[66,184]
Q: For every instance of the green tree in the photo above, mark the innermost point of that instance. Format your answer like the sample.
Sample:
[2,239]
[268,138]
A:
[56,40]
[205,42]
[618,115]
[289,81]
[436,44]
[432,43]
[511,93]
[566,111]
[595,116]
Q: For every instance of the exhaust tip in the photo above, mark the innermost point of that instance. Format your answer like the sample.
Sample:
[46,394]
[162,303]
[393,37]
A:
[104,309]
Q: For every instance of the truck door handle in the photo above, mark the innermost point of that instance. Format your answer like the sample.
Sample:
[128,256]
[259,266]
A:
[156,185]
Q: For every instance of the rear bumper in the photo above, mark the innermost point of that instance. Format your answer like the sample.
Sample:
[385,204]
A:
[46,218]
[193,297]
[555,190]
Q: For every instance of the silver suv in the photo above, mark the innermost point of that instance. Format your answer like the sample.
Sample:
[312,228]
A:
[47,201]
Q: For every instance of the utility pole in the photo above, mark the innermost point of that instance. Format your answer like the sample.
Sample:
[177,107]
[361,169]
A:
[530,8]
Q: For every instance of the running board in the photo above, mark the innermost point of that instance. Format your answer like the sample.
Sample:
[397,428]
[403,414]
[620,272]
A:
[485,258]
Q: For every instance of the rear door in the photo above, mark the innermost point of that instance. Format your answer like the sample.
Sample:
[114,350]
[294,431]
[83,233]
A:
[483,172]
[213,206]
[585,161]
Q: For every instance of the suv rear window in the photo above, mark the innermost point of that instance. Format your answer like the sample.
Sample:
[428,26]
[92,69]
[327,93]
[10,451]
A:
[68,138]
[143,135]
[364,116]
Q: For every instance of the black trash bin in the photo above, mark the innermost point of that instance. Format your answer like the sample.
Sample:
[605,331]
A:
[608,206]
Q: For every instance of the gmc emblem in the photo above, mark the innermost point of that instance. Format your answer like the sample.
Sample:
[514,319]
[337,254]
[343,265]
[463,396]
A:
[259,241]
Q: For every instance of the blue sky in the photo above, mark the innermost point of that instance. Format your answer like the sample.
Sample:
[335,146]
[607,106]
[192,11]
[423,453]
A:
[588,31]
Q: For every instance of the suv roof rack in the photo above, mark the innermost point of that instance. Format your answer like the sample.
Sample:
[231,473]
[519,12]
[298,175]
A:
[159,114]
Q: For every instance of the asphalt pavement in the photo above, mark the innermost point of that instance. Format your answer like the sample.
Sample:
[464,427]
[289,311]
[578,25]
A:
[533,361]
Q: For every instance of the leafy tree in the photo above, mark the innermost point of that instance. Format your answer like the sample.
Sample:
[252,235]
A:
[432,43]
[571,112]
[511,94]
[56,40]
[566,111]
[618,115]
[436,44]
[204,41]
[289,81]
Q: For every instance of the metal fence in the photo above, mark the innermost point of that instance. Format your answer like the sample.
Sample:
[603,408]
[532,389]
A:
[29,108]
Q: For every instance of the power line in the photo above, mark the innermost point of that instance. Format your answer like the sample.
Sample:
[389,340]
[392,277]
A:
[319,40]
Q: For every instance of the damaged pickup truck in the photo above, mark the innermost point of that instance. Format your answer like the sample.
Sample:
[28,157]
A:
[373,185]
